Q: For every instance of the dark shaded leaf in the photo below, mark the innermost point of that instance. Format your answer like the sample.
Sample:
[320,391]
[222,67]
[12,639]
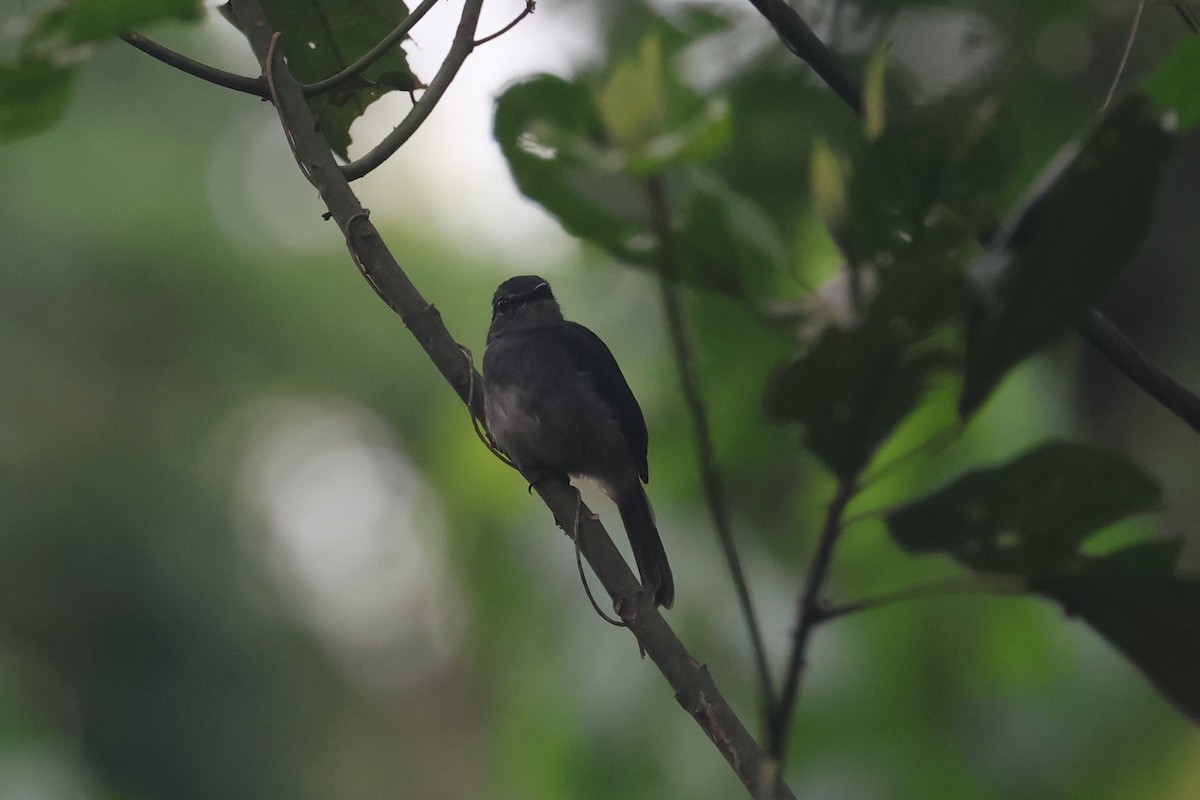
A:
[854,386]
[1066,247]
[930,166]
[1029,516]
[1152,615]
[323,37]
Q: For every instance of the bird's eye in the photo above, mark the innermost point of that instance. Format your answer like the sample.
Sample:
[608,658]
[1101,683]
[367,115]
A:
[501,303]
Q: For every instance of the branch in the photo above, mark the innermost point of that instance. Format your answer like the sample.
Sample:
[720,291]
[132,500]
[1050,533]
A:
[464,43]
[802,42]
[1189,16]
[530,7]
[694,687]
[809,615]
[714,494]
[1125,356]
[1007,585]
[371,56]
[1133,32]
[227,80]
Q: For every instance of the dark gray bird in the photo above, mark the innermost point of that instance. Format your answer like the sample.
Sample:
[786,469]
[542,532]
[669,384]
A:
[557,404]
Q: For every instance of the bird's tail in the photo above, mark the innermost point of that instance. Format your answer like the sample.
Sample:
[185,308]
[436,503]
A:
[648,552]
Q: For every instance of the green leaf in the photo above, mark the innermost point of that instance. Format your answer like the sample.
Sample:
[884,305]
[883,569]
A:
[1027,517]
[1066,247]
[931,166]
[1135,599]
[874,93]
[35,86]
[853,387]
[323,37]
[1173,85]
[828,179]
[32,96]
[700,138]
[631,102]
[551,134]
[561,155]
[724,242]
[93,20]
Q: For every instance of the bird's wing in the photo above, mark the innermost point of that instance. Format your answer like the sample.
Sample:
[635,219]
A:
[592,357]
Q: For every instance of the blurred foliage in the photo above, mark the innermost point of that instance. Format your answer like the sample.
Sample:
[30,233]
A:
[249,545]
[35,84]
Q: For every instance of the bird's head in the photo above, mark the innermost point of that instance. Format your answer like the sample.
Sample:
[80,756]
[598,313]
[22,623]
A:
[523,303]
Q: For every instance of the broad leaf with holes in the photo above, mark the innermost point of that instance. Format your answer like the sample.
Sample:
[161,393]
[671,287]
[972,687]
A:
[1030,519]
[322,37]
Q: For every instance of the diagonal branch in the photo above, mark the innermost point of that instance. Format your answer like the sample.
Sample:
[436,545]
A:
[808,47]
[371,56]
[694,687]
[197,69]
[1189,16]
[464,43]
[1133,364]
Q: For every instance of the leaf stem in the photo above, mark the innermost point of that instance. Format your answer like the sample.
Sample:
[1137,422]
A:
[530,7]
[989,584]
[464,43]
[197,69]
[371,56]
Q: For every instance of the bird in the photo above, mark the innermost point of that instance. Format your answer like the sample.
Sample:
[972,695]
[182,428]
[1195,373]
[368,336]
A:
[556,403]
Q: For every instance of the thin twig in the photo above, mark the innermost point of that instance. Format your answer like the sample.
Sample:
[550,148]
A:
[1125,356]
[530,7]
[197,69]
[371,56]
[464,43]
[1133,31]
[587,589]
[1189,16]
[992,584]
[808,616]
[710,477]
